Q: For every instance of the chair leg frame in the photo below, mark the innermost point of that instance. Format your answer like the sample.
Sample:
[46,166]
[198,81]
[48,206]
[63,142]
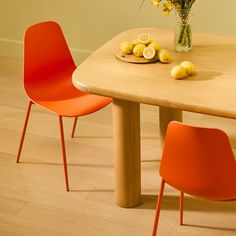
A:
[62,143]
[181,206]
[157,214]
[74,127]
[23,132]
[158,208]
[64,152]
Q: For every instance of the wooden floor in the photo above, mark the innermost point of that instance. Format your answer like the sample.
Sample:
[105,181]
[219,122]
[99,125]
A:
[33,200]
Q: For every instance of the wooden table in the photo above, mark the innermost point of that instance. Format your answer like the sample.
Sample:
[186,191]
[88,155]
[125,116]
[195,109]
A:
[212,91]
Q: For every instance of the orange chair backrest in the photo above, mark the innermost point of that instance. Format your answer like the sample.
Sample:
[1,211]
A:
[46,55]
[198,161]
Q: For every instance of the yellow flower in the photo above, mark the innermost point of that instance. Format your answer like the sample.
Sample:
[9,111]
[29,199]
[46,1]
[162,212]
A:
[155,3]
[168,4]
[166,11]
[167,7]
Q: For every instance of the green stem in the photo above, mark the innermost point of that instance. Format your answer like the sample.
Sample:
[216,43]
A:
[182,33]
[189,35]
[190,5]
[185,35]
[141,4]
[184,39]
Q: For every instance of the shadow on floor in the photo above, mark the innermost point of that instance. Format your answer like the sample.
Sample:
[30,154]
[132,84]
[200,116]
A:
[190,204]
[211,227]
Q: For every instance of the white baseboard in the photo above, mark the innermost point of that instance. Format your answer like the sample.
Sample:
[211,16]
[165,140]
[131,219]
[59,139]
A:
[14,49]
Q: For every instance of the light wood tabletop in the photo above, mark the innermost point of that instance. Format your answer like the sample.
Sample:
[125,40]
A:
[211,91]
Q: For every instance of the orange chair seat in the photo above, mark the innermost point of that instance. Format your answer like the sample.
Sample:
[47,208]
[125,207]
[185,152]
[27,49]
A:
[217,193]
[61,97]
[87,104]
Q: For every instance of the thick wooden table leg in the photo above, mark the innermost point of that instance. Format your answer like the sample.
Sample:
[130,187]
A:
[165,116]
[126,123]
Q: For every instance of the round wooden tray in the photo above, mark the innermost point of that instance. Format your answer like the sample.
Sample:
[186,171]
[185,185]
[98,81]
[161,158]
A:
[134,59]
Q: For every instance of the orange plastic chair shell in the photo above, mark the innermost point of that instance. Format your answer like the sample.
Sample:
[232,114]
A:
[198,161]
[48,68]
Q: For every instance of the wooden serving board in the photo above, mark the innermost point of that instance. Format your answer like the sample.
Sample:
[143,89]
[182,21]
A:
[133,59]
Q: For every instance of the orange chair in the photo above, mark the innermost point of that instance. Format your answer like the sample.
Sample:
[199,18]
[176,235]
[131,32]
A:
[197,161]
[48,67]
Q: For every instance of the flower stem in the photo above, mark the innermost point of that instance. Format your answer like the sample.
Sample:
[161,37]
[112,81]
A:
[182,33]
[184,37]
[189,35]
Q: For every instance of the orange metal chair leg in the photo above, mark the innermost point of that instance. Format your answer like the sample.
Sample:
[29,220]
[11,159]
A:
[23,132]
[64,153]
[74,126]
[159,200]
[181,207]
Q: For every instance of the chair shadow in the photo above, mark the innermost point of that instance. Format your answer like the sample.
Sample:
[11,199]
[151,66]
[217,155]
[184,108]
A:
[211,227]
[190,204]
[153,160]
[93,190]
[69,164]
[92,137]
[170,202]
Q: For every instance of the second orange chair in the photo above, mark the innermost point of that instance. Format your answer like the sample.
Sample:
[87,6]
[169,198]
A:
[48,68]
[197,161]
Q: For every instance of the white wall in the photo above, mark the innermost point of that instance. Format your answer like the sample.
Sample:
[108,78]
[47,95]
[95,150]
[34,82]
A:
[88,24]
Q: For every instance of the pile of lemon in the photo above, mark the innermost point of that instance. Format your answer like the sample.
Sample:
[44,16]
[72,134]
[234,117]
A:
[145,46]
[183,70]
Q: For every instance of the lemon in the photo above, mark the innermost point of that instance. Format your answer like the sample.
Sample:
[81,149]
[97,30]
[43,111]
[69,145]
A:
[144,38]
[126,47]
[178,72]
[164,56]
[138,49]
[135,42]
[189,66]
[153,40]
[149,53]
[155,45]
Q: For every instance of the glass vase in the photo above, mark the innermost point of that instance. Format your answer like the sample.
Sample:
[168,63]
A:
[183,31]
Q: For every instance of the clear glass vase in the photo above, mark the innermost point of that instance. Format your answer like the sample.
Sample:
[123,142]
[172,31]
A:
[183,31]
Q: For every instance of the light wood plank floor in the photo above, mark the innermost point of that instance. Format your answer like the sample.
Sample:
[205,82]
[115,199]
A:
[33,200]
